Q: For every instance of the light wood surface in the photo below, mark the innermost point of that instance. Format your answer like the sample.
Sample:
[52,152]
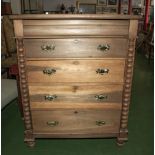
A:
[77,30]
[18,24]
[76,71]
[69,105]
[133,29]
[74,22]
[77,94]
[76,48]
[75,27]
[75,16]
[76,135]
[75,74]
[76,121]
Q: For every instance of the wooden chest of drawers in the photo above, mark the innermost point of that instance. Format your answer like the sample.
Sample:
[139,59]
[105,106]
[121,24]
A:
[75,74]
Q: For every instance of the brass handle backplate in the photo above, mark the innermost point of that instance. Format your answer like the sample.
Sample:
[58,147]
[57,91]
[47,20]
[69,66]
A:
[100,97]
[49,71]
[100,123]
[104,47]
[48,48]
[50,97]
[102,71]
[52,123]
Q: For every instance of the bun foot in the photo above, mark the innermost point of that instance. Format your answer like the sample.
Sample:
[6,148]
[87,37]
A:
[31,143]
[120,142]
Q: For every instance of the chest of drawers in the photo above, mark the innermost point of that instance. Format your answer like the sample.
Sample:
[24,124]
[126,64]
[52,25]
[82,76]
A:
[75,74]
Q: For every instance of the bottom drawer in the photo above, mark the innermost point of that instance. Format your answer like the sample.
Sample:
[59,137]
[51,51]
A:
[76,121]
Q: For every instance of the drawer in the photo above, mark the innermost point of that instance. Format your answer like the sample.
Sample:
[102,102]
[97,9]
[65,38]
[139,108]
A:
[59,95]
[76,121]
[75,27]
[76,48]
[76,70]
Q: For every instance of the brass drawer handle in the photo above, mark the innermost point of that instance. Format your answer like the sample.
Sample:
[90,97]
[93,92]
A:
[49,71]
[104,47]
[50,97]
[52,123]
[101,97]
[102,71]
[48,48]
[100,123]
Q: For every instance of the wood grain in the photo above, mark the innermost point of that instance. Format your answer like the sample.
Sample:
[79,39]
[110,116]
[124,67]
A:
[76,71]
[24,93]
[75,82]
[123,135]
[61,105]
[74,22]
[76,94]
[76,135]
[133,29]
[76,121]
[76,48]
[75,16]
[69,30]
[18,28]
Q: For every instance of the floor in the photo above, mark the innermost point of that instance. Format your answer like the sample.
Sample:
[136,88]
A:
[141,126]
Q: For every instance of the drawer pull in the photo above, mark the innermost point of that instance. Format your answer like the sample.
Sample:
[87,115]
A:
[50,97]
[103,47]
[102,71]
[52,123]
[101,97]
[48,48]
[49,71]
[100,123]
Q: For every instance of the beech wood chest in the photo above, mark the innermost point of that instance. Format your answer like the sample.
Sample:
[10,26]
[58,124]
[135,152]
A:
[75,74]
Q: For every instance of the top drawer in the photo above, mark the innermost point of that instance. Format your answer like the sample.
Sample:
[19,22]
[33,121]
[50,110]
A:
[76,48]
[75,27]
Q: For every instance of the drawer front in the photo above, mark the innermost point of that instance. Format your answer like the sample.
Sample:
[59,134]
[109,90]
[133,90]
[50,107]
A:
[76,48]
[76,121]
[94,94]
[76,71]
[75,27]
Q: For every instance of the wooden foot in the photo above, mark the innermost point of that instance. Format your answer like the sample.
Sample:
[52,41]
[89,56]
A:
[31,143]
[29,138]
[122,137]
[120,142]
